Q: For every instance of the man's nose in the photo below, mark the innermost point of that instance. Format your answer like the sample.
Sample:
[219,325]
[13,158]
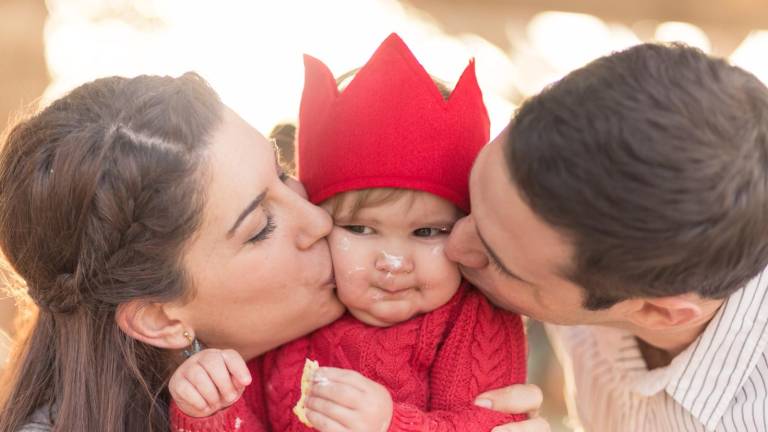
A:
[464,246]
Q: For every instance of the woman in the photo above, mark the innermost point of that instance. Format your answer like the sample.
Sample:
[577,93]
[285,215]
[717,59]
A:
[143,214]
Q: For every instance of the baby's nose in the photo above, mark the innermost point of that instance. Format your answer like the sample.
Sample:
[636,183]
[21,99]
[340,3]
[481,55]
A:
[393,263]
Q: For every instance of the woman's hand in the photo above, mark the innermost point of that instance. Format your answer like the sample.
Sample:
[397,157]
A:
[516,399]
[209,381]
[342,400]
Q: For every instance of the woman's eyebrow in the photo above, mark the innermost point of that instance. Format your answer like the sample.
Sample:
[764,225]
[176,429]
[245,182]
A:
[251,207]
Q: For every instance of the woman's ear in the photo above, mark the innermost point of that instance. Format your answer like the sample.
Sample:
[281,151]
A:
[147,322]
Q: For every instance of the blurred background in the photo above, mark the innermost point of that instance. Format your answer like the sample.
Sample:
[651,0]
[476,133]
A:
[250,51]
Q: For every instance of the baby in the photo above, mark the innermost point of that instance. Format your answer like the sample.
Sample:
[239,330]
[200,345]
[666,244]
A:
[389,158]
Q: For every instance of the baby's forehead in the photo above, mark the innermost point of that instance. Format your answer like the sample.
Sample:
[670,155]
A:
[395,206]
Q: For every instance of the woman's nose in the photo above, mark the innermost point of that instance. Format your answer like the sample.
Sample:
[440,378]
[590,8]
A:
[464,246]
[314,223]
[394,263]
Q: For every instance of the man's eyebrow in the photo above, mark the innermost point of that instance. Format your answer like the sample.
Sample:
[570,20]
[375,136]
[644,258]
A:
[251,207]
[496,259]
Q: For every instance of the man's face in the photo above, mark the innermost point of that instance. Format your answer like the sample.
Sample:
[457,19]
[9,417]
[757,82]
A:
[512,255]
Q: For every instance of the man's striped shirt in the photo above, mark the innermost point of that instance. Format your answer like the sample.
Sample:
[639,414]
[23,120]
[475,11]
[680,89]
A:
[719,383]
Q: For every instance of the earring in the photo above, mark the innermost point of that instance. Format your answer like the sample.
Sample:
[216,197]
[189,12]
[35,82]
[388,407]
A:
[194,346]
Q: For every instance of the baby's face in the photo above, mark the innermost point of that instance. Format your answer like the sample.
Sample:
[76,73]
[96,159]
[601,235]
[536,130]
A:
[389,261]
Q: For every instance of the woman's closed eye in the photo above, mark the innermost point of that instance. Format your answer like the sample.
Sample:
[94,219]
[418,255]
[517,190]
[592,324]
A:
[431,232]
[265,232]
[359,229]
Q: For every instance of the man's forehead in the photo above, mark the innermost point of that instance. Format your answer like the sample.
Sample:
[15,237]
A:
[505,219]
[483,174]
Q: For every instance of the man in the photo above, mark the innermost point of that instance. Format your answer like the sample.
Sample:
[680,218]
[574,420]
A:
[629,201]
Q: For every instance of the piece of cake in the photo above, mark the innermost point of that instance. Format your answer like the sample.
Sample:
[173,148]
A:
[310,366]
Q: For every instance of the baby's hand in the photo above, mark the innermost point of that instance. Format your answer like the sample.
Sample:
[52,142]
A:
[209,381]
[342,400]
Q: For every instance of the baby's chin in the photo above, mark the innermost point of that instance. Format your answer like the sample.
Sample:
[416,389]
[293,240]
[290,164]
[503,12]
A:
[386,313]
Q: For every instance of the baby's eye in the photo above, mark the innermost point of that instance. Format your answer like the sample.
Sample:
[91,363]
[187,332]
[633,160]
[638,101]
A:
[431,232]
[358,229]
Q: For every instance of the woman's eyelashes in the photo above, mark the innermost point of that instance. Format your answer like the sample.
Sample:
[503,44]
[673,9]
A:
[270,226]
[265,232]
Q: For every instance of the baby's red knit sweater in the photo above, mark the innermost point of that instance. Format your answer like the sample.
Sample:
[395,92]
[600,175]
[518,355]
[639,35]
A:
[434,365]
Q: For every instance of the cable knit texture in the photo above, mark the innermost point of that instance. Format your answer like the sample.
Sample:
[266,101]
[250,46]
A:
[434,365]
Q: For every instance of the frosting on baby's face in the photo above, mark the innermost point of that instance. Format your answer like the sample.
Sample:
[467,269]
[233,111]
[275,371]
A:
[388,259]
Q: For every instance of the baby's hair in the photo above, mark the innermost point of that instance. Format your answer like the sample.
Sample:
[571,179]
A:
[284,137]
[348,204]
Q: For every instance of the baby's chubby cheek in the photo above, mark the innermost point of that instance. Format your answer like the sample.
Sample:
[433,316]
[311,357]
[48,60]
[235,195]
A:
[437,251]
[441,277]
[348,270]
[344,260]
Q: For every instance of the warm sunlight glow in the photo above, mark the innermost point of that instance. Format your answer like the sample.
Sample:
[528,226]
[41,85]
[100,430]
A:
[751,54]
[559,42]
[683,32]
[251,52]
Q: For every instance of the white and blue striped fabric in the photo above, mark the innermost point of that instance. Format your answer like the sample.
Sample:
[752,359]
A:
[718,384]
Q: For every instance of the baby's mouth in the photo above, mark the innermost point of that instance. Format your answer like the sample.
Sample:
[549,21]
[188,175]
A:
[393,291]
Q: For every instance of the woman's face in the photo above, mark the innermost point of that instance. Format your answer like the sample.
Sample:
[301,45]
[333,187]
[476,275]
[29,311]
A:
[260,264]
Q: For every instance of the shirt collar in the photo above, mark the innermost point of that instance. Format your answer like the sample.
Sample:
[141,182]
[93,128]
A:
[705,377]
[710,371]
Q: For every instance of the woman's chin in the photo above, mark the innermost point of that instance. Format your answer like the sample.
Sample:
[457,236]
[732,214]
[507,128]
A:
[335,309]
[323,309]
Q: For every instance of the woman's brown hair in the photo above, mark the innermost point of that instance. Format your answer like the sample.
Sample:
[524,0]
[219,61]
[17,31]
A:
[99,193]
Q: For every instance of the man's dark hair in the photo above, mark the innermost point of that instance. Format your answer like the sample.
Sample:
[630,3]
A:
[653,162]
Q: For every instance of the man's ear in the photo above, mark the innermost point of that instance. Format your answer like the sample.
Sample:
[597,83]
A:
[664,312]
[147,322]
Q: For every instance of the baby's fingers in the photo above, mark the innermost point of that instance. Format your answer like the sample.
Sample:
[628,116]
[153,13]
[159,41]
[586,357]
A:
[189,400]
[214,364]
[199,378]
[327,416]
[237,367]
[341,376]
[340,393]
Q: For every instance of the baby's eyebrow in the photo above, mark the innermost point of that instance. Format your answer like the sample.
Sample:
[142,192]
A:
[438,223]
[356,220]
